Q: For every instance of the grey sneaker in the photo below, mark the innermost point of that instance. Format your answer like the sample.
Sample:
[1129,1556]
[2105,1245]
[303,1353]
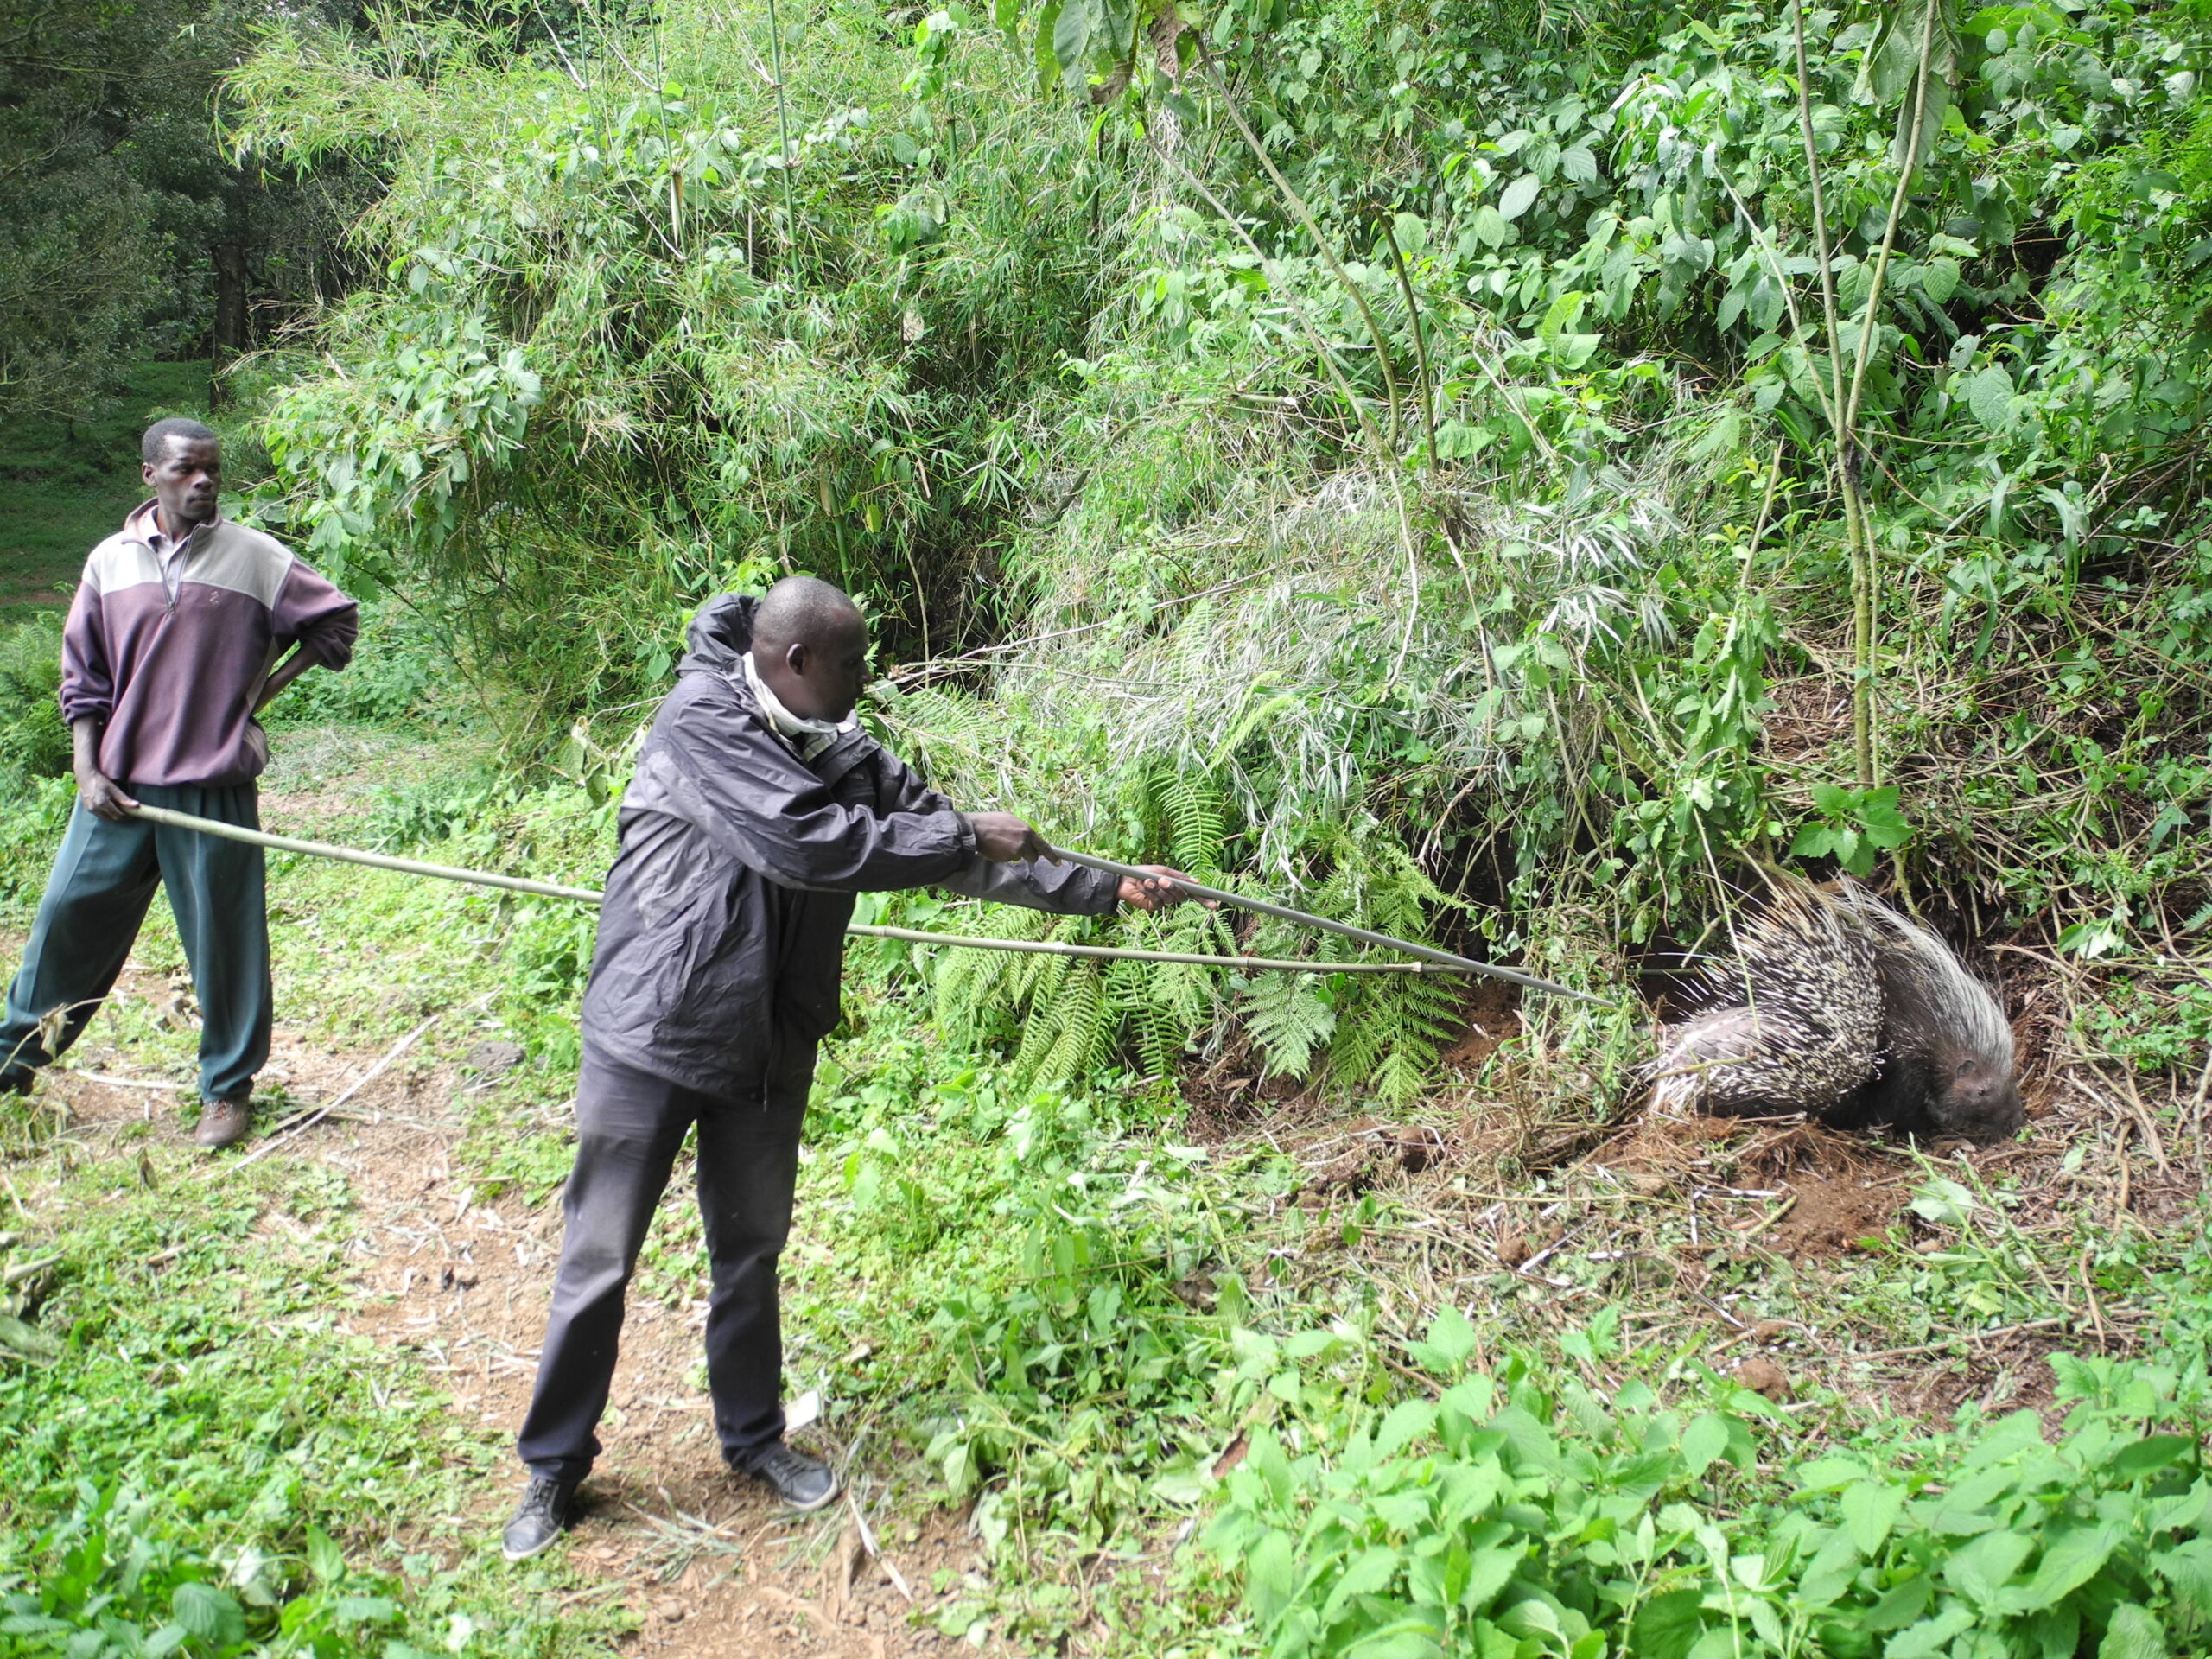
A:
[804,1483]
[223,1122]
[539,1519]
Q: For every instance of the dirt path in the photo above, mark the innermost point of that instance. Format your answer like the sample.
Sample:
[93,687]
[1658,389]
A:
[713,1568]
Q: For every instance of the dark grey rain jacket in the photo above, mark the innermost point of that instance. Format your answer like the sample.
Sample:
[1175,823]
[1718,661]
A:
[724,920]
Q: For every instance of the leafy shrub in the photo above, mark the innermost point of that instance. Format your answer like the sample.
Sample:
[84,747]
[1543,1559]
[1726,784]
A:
[32,819]
[121,1576]
[396,669]
[33,739]
[1510,1518]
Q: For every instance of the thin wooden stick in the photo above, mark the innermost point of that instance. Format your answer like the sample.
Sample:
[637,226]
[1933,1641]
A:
[307,1119]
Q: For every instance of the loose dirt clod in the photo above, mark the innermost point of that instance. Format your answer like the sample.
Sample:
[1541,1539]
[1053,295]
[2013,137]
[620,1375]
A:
[1763,1376]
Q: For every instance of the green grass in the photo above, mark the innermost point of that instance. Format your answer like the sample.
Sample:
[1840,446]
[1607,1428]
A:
[65,486]
[205,1448]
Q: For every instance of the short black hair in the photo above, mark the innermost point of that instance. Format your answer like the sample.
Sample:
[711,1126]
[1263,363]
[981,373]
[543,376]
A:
[803,610]
[179,427]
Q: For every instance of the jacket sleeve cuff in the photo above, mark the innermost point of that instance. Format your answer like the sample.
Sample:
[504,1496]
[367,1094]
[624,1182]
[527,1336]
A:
[77,706]
[1106,894]
[964,834]
[331,643]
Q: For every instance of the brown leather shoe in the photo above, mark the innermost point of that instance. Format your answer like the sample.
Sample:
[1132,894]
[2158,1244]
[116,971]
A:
[223,1122]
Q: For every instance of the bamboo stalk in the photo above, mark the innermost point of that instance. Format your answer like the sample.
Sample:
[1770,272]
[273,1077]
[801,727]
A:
[1434,961]
[1055,948]
[354,856]
[1343,930]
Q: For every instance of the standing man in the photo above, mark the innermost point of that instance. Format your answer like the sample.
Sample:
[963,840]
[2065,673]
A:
[758,808]
[171,649]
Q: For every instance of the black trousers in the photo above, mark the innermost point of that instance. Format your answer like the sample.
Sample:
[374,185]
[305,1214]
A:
[629,1127]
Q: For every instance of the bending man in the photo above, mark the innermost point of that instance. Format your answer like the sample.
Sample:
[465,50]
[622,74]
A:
[758,808]
[172,648]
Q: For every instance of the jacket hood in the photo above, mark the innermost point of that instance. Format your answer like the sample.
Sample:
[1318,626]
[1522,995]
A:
[719,635]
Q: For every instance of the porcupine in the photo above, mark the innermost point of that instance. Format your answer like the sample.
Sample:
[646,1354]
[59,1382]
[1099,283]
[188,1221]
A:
[1837,1006]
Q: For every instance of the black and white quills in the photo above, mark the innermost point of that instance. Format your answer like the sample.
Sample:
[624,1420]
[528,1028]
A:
[1836,1005]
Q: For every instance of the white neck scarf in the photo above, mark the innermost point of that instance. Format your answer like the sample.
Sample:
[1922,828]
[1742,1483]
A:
[808,737]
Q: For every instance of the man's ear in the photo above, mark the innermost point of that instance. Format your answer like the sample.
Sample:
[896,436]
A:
[796,656]
[146,472]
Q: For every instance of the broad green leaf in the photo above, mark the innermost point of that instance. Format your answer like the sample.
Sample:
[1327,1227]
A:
[1579,166]
[1367,1575]
[1870,1509]
[1982,1568]
[2133,1634]
[2153,1453]
[1071,32]
[1931,1636]
[1520,196]
[1989,395]
[1048,30]
[1451,1339]
[1901,1606]
[2068,1563]
[325,1559]
[1489,1571]
[211,1617]
[1408,1638]
[1572,351]
[1530,1442]
[2188,1568]
[1407,1421]
[1668,1626]
[1270,1577]
[1703,1442]
[1489,226]
[1939,279]
[1563,313]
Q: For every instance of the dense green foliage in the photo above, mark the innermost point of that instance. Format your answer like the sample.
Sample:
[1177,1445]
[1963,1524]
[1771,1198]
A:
[1524,1519]
[127,233]
[1496,543]
[632,354]
[33,739]
[189,1434]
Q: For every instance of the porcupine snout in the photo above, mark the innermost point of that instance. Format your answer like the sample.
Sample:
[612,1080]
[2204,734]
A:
[1977,1100]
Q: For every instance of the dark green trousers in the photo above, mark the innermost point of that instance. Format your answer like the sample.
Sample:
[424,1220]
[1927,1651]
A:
[104,879]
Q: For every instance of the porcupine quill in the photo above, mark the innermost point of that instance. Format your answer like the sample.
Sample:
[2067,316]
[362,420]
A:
[1836,1005]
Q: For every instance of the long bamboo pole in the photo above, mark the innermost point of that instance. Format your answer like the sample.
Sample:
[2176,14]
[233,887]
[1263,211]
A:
[1431,961]
[1343,930]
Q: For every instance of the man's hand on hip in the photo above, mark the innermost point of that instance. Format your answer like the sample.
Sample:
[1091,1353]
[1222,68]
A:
[1001,838]
[102,798]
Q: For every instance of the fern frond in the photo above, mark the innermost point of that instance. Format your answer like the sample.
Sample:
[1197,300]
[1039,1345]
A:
[1079,1026]
[1197,818]
[1289,1016]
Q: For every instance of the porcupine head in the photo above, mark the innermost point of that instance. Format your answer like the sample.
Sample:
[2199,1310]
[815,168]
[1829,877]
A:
[1946,1064]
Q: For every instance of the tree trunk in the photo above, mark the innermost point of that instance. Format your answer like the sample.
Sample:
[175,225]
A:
[231,276]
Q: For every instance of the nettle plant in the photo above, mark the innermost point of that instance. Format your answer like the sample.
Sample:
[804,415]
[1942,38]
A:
[1513,1516]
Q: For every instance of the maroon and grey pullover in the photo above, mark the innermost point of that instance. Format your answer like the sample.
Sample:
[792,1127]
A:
[172,673]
